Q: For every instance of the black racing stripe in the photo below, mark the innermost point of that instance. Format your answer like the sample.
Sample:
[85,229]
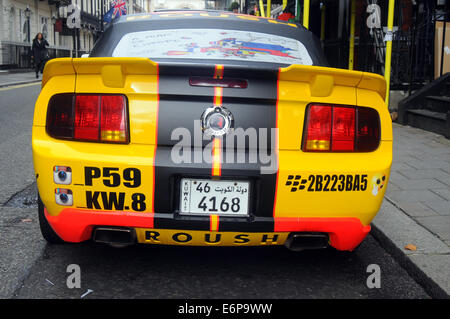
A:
[258,224]
[173,221]
[181,104]
[231,224]
[168,175]
[179,107]
[256,109]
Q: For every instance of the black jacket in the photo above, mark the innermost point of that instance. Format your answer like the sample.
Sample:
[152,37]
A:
[39,50]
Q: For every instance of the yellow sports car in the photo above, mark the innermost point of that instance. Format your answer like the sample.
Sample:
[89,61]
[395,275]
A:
[209,128]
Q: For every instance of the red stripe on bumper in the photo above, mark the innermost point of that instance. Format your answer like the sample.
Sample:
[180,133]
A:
[75,225]
[344,233]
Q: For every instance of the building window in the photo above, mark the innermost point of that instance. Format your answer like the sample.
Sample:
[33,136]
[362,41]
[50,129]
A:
[25,25]
[12,24]
[25,32]
[44,27]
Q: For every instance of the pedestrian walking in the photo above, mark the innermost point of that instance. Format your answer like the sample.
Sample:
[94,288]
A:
[39,53]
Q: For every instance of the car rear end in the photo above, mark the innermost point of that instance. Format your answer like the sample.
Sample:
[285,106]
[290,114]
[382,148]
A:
[127,149]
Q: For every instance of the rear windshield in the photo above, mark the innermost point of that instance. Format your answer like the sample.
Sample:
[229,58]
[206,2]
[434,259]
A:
[212,44]
[210,38]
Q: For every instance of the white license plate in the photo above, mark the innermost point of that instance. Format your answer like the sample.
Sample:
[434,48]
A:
[206,197]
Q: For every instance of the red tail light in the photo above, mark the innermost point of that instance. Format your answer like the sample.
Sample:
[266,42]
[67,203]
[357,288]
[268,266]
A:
[114,121]
[88,117]
[341,129]
[368,131]
[319,128]
[343,137]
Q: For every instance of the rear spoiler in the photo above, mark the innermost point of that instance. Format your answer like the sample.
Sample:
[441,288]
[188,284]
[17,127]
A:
[322,79]
[114,70]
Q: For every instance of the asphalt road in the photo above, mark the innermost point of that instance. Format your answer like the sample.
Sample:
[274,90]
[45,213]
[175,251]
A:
[29,268]
[16,118]
[216,272]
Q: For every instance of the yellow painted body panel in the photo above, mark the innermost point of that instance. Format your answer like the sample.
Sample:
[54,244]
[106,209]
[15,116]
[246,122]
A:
[49,152]
[360,204]
[139,83]
[298,86]
[295,92]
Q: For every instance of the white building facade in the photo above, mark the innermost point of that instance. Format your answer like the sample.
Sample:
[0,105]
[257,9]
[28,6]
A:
[21,20]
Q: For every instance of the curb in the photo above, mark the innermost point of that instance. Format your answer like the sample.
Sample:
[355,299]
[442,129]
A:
[429,285]
[392,244]
[2,85]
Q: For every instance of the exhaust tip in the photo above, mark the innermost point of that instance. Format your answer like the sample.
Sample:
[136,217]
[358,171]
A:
[307,240]
[114,236]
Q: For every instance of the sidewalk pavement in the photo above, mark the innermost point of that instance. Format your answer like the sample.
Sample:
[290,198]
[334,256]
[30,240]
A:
[8,79]
[416,209]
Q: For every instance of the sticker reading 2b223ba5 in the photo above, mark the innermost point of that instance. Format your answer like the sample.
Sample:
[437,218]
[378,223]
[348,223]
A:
[327,183]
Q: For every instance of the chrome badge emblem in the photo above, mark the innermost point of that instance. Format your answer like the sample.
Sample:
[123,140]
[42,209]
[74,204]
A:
[217,121]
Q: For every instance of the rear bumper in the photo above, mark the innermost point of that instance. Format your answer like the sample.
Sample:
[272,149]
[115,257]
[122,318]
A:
[76,225]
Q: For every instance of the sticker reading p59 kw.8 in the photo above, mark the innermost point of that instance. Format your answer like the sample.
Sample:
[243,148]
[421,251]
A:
[112,200]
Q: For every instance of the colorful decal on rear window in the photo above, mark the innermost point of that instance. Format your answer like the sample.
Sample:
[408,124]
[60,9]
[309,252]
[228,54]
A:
[216,44]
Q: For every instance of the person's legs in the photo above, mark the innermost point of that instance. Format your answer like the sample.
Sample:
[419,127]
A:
[36,68]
